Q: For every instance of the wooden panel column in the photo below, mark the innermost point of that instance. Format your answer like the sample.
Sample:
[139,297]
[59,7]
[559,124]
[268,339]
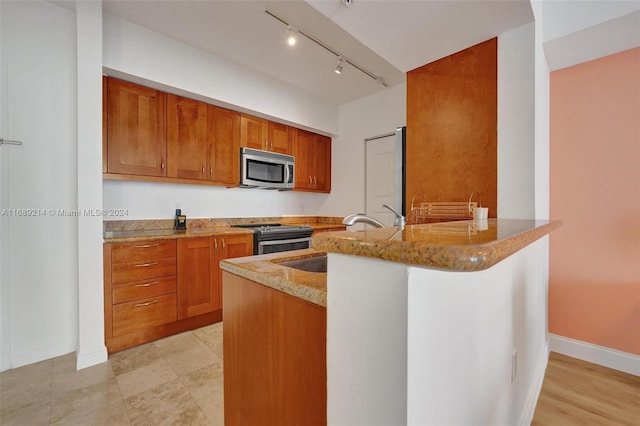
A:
[452,117]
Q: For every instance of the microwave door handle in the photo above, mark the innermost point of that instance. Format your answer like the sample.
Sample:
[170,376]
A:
[287,172]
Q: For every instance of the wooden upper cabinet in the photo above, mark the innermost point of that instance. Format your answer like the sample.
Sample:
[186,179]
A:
[322,156]
[186,138]
[223,145]
[313,161]
[265,135]
[253,132]
[203,141]
[278,138]
[136,129]
[305,161]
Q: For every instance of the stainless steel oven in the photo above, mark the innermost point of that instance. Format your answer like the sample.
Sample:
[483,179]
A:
[275,237]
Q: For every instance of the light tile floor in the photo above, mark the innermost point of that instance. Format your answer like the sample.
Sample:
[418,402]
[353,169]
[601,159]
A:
[173,381]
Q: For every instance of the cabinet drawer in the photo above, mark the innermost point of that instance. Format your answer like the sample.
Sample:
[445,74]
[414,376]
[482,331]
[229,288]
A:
[143,250]
[144,313]
[135,290]
[142,269]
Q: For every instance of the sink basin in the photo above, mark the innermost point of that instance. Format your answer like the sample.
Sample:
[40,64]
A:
[309,264]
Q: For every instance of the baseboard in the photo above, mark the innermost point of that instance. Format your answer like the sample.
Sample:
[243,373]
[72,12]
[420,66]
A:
[42,354]
[90,359]
[606,357]
[526,417]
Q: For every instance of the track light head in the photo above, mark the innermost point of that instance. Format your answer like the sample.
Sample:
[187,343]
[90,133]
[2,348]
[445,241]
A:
[291,36]
[338,69]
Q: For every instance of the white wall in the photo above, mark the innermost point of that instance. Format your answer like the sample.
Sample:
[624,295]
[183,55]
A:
[416,346]
[463,331]
[146,200]
[516,139]
[377,114]
[5,306]
[39,69]
[562,18]
[91,348]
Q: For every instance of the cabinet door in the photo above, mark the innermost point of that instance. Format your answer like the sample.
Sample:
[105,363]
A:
[186,138]
[253,132]
[231,246]
[322,178]
[223,141]
[198,285]
[136,129]
[303,152]
[279,140]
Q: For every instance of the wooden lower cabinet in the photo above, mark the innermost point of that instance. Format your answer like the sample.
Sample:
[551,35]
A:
[156,288]
[199,276]
[275,370]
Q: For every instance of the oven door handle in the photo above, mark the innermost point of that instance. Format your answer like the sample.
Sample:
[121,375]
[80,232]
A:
[274,242]
[263,244]
[287,174]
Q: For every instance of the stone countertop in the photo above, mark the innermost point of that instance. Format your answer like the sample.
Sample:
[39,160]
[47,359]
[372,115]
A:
[266,270]
[452,246]
[168,234]
[137,230]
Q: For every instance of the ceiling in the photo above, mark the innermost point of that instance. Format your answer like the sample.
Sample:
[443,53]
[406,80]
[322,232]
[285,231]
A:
[385,37]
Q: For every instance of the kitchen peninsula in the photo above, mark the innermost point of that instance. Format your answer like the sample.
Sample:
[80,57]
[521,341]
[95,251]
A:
[431,324]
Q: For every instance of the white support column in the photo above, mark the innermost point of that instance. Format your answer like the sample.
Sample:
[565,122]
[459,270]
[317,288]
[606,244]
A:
[91,347]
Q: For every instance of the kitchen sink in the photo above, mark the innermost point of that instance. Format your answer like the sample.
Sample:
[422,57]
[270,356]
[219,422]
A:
[309,264]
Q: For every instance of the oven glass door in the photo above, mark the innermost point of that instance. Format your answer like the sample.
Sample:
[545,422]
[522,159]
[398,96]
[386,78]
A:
[275,246]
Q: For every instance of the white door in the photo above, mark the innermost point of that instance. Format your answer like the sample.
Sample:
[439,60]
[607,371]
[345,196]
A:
[383,178]
[5,329]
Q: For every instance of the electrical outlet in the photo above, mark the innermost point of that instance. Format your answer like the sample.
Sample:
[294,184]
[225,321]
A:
[514,365]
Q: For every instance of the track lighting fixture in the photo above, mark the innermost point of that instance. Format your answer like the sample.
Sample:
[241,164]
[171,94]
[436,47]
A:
[338,69]
[291,40]
[291,36]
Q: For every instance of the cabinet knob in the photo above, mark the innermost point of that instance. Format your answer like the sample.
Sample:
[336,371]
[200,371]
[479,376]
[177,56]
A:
[211,170]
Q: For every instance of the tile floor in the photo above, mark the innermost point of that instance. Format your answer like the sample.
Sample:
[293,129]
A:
[173,381]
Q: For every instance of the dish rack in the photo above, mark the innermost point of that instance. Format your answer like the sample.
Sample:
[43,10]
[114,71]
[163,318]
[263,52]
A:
[430,211]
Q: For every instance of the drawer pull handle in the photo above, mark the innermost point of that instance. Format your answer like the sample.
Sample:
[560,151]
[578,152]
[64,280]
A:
[148,245]
[146,284]
[144,265]
[141,305]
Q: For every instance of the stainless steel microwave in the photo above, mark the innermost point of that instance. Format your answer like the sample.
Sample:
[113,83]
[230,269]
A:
[264,169]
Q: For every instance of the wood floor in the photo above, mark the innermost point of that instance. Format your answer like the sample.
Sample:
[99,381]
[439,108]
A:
[576,392]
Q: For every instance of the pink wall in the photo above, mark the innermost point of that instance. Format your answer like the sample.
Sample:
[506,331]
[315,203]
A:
[594,289]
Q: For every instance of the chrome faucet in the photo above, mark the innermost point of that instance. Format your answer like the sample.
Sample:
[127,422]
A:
[399,220]
[361,218]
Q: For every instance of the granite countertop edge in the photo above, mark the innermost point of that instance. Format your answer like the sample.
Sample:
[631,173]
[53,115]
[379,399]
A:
[265,270]
[171,233]
[447,257]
